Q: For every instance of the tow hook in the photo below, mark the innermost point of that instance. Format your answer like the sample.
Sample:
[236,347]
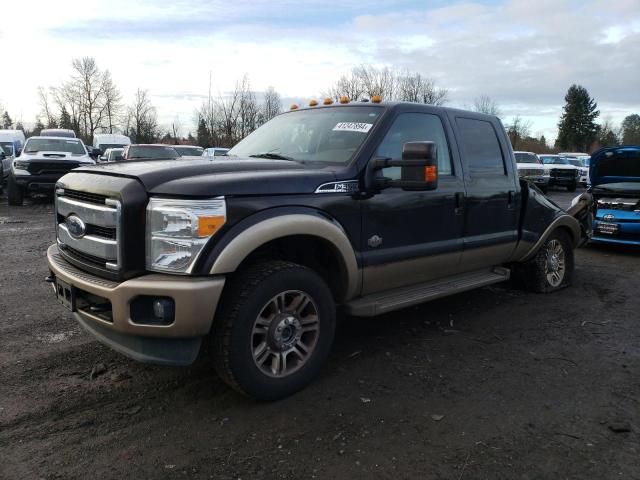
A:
[50,279]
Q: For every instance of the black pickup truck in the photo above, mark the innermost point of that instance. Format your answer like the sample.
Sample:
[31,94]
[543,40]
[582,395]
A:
[366,207]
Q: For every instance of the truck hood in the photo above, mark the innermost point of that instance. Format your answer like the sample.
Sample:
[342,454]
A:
[616,167]
[53,156]
[201,176]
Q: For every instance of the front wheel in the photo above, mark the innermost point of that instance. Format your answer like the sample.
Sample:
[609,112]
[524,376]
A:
[274,330]
[552,267]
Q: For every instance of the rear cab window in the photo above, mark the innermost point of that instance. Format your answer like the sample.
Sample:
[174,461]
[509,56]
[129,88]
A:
[481,150]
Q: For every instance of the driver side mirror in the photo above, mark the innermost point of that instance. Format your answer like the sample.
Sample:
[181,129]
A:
[95,152]
[418,167]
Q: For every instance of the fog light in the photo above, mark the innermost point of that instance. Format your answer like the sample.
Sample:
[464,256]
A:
[146,310]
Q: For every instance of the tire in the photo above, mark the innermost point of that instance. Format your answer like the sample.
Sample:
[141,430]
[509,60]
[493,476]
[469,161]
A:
[259,302]
[536,275]
[572,188]
[15,193]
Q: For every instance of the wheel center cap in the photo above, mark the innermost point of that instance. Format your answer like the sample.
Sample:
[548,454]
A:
[284,332]
[553,263]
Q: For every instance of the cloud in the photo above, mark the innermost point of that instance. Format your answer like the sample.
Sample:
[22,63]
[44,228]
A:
[523,54]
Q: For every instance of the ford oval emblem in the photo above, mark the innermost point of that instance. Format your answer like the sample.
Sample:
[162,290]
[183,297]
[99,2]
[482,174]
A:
[608,217]
[75,226]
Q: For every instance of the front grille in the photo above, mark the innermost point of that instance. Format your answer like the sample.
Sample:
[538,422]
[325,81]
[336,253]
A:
[88,227]
[85,196]
[564,173]
[84,257]
[104,232]
[530,172]
[628,204]
[41,168]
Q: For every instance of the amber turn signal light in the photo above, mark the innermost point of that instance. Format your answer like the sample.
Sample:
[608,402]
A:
[344,99]
[313,103]
[207,226]
[430,174]
[376,99]
[328,101]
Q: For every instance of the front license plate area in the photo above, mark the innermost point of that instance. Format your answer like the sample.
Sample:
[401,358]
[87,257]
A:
[608,228]
[66,294]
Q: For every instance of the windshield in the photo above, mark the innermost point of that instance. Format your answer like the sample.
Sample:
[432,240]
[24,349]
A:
[329,135]
[220,152]
[189,151]
[115,154]
[54,144]
[554,161]
[575,162]
[526,158]
[149,151]
[7,147]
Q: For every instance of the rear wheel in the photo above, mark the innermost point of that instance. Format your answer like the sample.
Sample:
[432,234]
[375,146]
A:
[274,330]
[15,193]
[552,267]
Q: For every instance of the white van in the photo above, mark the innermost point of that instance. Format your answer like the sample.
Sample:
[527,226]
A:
[110,140]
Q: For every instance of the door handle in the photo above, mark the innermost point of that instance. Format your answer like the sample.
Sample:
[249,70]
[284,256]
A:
[459,202]
[510,197]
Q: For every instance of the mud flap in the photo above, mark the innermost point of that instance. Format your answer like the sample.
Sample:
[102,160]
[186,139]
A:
[582,208]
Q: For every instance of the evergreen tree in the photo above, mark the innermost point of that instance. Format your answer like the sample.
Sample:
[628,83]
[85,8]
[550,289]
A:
[6,120]
[65,119]
[203,134]
[19,126]
[577,129]
[543,140]
[631,130]
[38,127]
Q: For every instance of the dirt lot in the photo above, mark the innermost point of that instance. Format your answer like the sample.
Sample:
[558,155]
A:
[496,383]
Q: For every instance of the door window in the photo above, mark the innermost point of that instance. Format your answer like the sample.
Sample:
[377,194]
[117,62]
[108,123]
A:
[415,127]
[480,147]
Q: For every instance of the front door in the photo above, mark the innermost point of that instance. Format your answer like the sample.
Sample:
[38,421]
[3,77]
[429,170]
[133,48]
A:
[411,237]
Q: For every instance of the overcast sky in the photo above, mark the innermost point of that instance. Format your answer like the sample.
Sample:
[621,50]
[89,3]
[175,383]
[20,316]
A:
[522,53]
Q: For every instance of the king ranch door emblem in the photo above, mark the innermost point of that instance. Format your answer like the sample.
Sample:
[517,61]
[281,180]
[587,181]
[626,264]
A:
[375,241]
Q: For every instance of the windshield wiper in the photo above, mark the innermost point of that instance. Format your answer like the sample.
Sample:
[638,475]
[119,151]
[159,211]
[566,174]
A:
[273,156]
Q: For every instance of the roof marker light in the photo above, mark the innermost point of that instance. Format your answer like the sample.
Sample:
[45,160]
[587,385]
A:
[313,103]
[344,99]
[328,101]
[376,99]
[294,106]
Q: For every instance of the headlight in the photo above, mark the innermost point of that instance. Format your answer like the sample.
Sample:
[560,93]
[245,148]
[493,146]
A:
[178,229]
[20,165]
[546,172]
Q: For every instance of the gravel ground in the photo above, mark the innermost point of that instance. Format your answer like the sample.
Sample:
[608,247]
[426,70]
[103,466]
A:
[495,383]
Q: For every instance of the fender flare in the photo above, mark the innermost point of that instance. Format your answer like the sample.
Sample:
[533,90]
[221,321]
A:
[566,221]
[247,241]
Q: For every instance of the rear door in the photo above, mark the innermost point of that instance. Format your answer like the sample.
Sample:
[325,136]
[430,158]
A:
[493,194]
[411,237]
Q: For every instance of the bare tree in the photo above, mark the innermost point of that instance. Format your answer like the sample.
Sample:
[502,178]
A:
[518,130]
[271,106]
[112,103]
[376,82]
[348,85]
[485,104]
[91,83]
[46,108]
[413,87]
[142,119]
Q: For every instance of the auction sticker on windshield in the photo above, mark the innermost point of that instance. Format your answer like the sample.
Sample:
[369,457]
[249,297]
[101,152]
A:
[353,127]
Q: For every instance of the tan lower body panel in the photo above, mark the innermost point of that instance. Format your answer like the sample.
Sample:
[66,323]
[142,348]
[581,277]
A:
[196,299]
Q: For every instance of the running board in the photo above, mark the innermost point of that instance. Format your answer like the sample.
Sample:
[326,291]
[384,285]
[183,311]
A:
[383,302]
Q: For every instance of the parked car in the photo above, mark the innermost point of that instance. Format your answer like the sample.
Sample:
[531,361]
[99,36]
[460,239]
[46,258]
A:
[105,141]
[581,162]
[215,152]
[112,155]
[149,152]
[11,143]
[188,150]
[374,207]
[530,168]
[58,132]
[615,185]
[561,172]
[41,163]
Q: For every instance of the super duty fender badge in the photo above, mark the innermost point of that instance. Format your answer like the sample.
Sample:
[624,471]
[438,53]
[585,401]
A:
[375,241]
[348,186]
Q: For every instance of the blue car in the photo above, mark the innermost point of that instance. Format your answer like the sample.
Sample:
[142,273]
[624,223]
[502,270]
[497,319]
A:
[615,185]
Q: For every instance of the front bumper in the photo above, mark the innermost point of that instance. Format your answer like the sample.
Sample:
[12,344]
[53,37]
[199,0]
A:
[178,343]
[628,227]
[563,181]
[539,181]
[38,183]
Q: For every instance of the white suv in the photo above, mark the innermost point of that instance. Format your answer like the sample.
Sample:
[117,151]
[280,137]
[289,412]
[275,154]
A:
[530,168]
